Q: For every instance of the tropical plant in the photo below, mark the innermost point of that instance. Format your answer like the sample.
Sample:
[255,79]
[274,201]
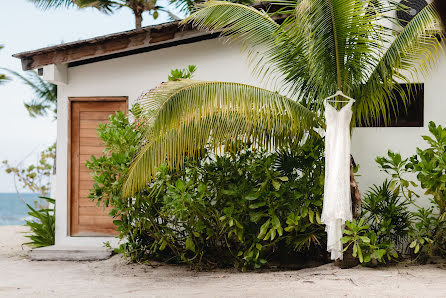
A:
[318,48]
[387,214]
[430,166]
[398,168]
[45,94]
[42,226]
[427,230]
[366,246]
[185,73]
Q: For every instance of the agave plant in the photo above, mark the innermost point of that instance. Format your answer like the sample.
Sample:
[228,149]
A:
[319,47]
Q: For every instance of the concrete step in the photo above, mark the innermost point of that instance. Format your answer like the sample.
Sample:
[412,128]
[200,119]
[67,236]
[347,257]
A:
[69,253]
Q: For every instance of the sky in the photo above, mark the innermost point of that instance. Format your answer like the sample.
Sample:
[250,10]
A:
[24,27]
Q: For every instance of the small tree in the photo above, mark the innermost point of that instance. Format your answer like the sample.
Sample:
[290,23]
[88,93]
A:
[34,177]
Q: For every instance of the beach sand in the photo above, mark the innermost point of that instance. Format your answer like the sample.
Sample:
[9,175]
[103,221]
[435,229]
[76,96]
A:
[20,277]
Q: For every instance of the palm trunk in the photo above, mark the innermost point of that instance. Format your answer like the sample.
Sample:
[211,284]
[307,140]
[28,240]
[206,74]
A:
[349,261]
[354,191]
[138,20]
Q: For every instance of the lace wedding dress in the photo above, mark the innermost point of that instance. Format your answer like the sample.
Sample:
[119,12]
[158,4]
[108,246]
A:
[337,202]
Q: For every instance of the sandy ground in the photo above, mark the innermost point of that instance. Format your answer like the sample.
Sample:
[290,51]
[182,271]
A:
[20,277]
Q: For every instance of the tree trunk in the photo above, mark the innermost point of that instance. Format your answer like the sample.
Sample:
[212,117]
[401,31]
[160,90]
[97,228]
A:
[138,20]
[349,261]
[354,190]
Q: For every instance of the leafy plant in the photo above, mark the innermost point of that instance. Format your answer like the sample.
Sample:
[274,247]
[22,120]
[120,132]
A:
[42,226]
[430,166]
[427,229]
[185,73]
[366,246]
[229,209]
[398,168]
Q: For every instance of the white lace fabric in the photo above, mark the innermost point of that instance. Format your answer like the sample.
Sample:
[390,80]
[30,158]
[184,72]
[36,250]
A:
[337,202]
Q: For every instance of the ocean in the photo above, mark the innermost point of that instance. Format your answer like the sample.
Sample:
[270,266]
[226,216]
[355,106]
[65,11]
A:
[13,210]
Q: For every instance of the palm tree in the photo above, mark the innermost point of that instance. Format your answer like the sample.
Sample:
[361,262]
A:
[322,46]
[138,7]
[45,100]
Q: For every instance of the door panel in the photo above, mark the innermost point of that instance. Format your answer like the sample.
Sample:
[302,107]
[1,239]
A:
[86,219]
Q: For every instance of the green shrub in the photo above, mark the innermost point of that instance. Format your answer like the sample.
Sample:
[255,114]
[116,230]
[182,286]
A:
[242,208]
[386,207]
[366,246]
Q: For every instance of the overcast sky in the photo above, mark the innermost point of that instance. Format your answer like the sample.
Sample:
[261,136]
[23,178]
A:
[24,27]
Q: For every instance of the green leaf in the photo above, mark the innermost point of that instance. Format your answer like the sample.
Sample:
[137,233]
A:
[276,184]
[360,257]
[257,205]
[417,248]
[190,244]
[318,218]
[345,239]
[284,178]
[311,215]
[275,222]
[365,239]
[264,228]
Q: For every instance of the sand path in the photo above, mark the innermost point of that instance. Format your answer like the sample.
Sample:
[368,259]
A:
[20,277]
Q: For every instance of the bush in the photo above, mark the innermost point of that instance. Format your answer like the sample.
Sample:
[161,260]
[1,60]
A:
[244,208]
[386,207]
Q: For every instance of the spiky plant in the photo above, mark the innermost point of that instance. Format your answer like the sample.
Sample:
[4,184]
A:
[320,46]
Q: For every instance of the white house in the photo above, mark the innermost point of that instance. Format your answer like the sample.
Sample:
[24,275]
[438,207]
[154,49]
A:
[98,76]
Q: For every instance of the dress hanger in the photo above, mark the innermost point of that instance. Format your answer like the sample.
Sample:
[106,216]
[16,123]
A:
[339,92]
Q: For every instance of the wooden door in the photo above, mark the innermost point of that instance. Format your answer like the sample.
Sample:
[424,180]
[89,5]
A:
[86,219]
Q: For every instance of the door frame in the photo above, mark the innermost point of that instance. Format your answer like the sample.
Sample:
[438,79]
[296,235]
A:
[69,143]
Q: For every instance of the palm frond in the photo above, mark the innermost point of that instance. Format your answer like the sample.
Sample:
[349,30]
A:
[237,21]
[47,4]
[408,58]
[45,94]
[3,78]
[255,28]
[185,116]
[105,6]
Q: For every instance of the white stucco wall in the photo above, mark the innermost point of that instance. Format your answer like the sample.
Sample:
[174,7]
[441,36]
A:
[129,76]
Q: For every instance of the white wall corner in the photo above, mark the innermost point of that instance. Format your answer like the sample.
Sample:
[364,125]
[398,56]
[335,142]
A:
[56,74]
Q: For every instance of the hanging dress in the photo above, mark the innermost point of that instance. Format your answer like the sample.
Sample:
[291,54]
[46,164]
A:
[337,202]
